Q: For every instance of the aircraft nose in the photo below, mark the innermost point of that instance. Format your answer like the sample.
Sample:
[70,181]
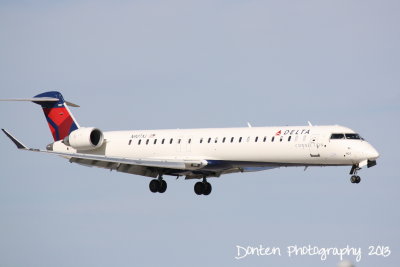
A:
[372,154]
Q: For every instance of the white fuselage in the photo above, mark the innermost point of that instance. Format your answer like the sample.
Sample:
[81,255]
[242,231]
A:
[257,146]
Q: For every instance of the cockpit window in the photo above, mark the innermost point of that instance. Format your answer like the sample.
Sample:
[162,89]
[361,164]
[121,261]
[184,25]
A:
[353,136]
[337,136]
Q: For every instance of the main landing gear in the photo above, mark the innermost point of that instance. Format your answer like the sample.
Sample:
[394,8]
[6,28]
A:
[355,179]
[203,188]
[158,185]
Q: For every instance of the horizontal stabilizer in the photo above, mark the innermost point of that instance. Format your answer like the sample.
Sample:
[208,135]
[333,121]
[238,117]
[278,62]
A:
[41,99]
[36,99]
[15,140]
[72,104]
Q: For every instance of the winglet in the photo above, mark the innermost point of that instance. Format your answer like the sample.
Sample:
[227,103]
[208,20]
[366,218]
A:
[15,140]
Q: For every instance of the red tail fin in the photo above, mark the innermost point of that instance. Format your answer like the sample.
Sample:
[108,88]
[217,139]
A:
[60,119]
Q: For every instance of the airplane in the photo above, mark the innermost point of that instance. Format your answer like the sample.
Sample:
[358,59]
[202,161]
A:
[198,153]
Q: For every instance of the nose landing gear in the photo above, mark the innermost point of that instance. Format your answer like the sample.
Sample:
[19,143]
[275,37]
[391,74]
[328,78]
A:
[355,179]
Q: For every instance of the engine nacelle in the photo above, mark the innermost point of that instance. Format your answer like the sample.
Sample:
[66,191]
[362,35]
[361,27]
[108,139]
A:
[85,139]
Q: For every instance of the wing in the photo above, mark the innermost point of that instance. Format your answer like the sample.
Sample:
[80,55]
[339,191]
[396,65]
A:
[147,166]
[151,167]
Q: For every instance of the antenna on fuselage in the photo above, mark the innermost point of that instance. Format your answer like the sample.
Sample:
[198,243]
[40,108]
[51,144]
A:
[309,123]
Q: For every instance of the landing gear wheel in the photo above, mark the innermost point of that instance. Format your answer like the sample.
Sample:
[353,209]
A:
[155,185]
[207,188]
[199,188]
[355,179]
[163,186]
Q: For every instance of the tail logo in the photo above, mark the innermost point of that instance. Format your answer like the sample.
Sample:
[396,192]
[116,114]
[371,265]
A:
[60,125]
[59,118]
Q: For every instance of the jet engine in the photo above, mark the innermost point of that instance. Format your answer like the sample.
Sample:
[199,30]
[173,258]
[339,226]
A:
[85,139]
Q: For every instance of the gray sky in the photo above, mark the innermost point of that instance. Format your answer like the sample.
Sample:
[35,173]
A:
[191,64]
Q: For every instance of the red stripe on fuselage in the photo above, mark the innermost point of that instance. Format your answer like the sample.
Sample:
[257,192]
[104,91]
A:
[61,117]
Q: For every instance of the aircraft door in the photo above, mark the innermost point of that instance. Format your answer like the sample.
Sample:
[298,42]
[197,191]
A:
[314,146]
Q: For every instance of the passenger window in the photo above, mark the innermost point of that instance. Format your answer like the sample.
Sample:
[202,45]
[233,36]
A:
[337,136]
[289,138]
[209,139]
[179,141]
[170,141]
[240,139]
[248,139]
[162,141]
[201,140]
[155,141]
[273,138]
[265,139]
[216,140]
[140,141]
[189,141]
[130,142]
[223,140]
[147,141]
[256,139]
[281,139]
[232,139]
